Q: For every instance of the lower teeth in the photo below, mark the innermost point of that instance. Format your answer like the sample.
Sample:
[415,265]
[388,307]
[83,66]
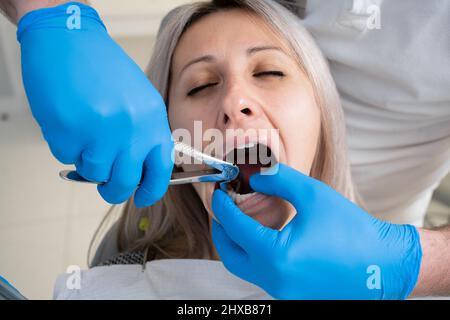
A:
[238,198]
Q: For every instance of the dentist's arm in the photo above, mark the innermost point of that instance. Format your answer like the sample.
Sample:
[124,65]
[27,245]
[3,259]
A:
[434,278]
[331,249]
[95,107]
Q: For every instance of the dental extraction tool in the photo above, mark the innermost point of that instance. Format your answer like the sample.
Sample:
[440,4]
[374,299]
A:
[221,171]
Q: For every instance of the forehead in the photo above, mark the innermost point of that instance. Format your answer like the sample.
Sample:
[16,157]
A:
[224,31]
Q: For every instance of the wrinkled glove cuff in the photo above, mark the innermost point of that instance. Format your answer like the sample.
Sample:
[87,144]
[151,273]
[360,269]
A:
[414,260]
[60,17]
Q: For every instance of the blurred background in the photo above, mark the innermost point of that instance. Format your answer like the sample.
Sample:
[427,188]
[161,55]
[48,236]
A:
[46,224]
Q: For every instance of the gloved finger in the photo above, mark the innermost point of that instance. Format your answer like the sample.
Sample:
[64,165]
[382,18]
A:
[158,168]
[286,183]
[65,150]
[125,176]
[248,233]
[234,258]
[95,163]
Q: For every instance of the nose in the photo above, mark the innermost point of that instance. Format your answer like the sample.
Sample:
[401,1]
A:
[238,108]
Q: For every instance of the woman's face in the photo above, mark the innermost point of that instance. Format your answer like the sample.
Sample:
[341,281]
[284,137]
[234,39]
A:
[229,71]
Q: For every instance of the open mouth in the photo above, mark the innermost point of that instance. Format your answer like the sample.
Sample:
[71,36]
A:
[251,158]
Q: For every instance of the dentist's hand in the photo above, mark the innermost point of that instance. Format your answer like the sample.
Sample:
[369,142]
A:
[95,107]
[331,249]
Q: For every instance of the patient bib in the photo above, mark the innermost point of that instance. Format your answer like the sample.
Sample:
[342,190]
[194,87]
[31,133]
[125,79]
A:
[161,279]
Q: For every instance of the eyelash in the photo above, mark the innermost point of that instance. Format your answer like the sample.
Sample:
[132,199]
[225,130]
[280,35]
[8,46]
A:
[265,73]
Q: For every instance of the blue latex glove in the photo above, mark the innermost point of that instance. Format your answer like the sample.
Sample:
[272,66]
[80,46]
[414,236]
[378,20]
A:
[331,249]
[95,107]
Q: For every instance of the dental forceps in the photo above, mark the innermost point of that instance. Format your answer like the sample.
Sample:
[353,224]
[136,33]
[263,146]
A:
[220,171]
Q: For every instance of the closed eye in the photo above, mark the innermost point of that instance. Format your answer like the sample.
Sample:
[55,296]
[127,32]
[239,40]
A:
[269,73]
[200,88]
[259,74]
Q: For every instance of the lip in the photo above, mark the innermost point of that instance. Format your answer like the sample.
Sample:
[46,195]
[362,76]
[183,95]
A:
[259,201]
[245,159]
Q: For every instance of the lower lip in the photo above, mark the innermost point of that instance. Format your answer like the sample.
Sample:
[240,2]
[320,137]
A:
[253,203]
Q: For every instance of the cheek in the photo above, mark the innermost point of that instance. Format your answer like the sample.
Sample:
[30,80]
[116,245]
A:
[184,116]
[300,126]
[176,117]
[179,113]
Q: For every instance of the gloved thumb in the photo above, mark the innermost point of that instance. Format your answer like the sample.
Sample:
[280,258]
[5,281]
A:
[158,168]
[234,258]
[246,232]
[285,182]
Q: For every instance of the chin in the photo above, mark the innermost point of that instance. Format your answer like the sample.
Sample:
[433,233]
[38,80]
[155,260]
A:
[274,216]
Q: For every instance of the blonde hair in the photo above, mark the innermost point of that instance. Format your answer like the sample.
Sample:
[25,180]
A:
[178,223]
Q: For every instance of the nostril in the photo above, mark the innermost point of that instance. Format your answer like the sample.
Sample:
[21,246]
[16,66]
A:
[246,111]
[225,119]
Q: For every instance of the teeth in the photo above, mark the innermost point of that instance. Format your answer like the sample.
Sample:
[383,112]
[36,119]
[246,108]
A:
[238,198]
[248,145]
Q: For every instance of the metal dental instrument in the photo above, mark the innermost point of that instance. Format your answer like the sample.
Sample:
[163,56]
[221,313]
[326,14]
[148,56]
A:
[221,171]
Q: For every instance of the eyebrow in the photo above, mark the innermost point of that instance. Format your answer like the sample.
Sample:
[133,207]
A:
[211,58]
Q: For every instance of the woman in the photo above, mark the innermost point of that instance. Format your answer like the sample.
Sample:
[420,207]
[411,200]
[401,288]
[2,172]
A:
[245,64]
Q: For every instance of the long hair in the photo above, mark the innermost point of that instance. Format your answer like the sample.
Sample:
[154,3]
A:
[178,225]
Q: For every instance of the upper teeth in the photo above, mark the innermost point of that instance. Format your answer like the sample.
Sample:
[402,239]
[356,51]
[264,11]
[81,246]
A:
[238,198]
[247,145]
